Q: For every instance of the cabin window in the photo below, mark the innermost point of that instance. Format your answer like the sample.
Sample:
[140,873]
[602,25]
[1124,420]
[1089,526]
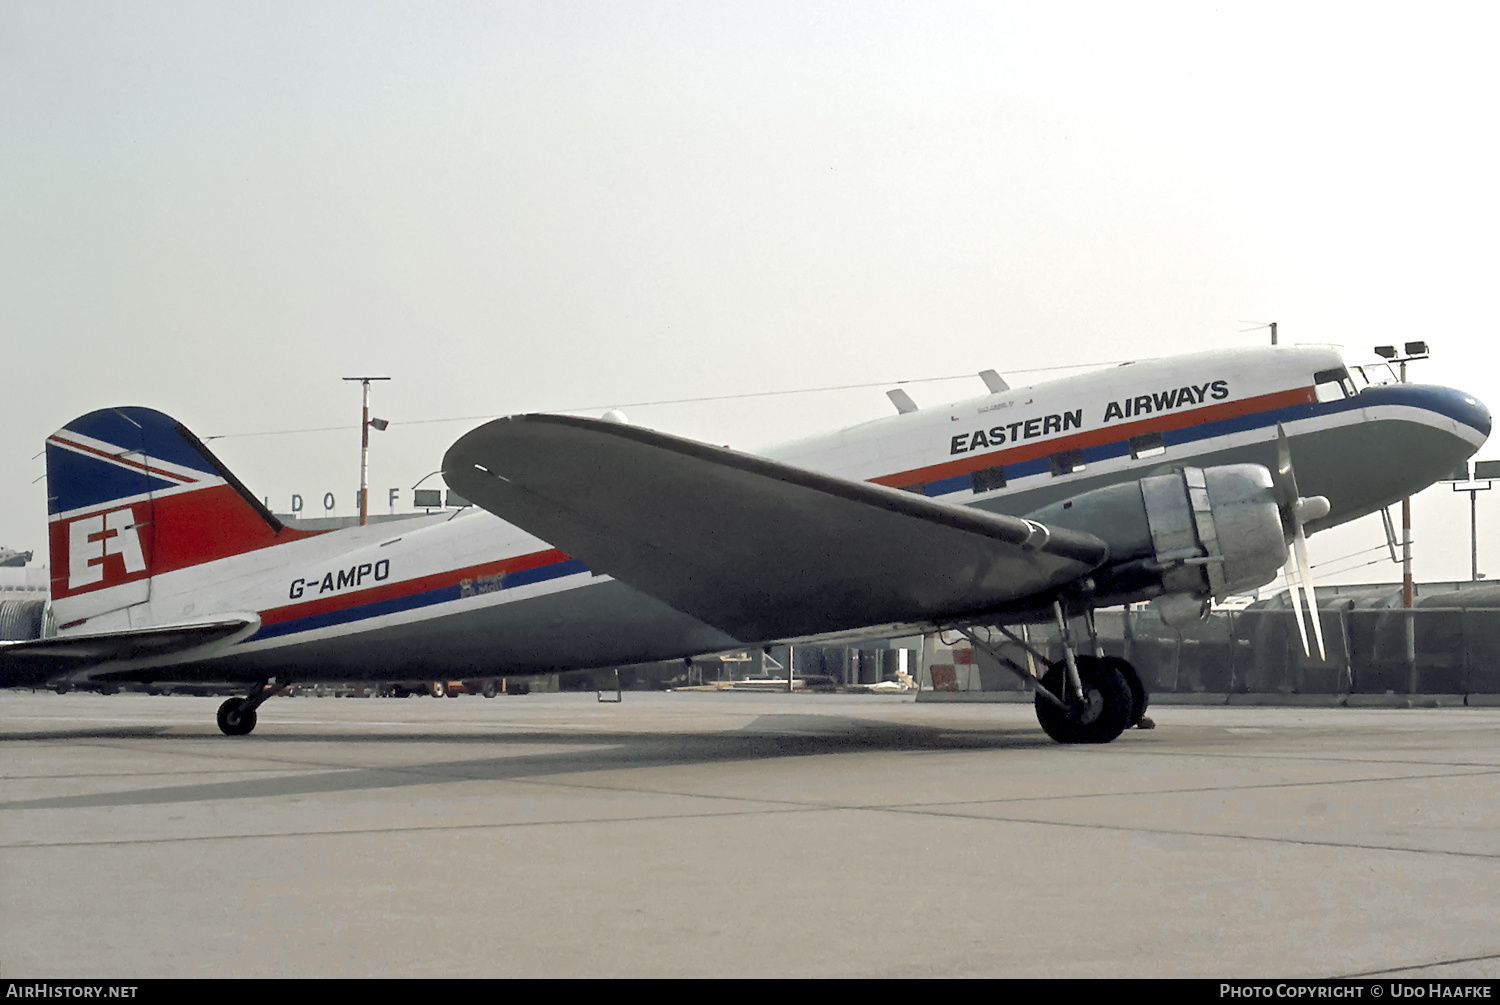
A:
[1147,445]
[1333,385]
[1067,462]
[989,479]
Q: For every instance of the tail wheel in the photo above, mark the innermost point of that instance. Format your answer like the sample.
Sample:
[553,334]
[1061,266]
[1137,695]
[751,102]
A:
[233,720]
[1102,715]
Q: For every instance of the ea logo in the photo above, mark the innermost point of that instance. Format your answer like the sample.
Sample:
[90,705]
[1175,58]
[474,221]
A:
[93,537]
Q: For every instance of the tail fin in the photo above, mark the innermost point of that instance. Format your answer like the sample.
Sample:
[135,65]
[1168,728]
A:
[133,494]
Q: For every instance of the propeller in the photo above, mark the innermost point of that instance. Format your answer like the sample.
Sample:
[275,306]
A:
[1299,510]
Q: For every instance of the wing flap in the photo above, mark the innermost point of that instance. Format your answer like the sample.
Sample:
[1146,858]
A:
[758,549]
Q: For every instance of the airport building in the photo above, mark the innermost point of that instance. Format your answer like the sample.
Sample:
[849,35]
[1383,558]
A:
[24,593]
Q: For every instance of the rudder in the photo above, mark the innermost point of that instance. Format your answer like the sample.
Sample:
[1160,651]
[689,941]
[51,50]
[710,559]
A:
[133,494]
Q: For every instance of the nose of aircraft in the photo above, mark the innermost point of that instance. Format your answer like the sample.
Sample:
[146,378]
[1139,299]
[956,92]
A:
[1470,417]
[1468,422]
[1414,435]
[1470,411]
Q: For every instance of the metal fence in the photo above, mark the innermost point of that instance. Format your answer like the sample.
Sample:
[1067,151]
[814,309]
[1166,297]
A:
[1382,651]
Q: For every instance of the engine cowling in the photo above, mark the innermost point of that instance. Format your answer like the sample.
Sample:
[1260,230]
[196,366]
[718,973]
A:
[1184,536]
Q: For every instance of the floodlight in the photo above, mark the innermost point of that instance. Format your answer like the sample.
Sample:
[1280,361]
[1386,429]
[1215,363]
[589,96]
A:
[1386,351]
[1416,348]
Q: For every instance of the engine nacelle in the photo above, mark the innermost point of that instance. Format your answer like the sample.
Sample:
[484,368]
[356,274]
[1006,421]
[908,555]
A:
[1188,535]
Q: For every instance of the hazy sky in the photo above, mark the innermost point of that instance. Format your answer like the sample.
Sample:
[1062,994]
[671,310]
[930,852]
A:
[219,209]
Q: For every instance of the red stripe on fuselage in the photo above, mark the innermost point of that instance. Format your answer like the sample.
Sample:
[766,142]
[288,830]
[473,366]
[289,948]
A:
[1091,438]
[436,581]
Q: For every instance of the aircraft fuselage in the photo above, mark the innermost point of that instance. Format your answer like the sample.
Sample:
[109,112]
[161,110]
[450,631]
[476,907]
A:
[465,594]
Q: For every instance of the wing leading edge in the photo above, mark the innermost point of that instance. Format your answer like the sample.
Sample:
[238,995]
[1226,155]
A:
[758,549]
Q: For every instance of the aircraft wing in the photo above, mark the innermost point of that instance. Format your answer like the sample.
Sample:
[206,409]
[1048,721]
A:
[758,549]
[35,660]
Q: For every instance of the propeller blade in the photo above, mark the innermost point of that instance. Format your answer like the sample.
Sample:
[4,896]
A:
[1304,572]
[1293,577]
[1296,511]
[1284,479]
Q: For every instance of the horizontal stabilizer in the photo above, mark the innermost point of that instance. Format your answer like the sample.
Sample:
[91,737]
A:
[36,660]
[755,548]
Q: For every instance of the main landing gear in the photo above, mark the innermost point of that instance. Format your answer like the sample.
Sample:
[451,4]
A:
[1103,711]
[237,715]
[1080,699]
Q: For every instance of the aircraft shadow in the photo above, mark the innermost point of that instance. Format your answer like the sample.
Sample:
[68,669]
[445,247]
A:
[91,733]
[768,737]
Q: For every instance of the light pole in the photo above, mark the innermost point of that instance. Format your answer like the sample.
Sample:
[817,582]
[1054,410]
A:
[1414,350]
[1485,474]
[364,448]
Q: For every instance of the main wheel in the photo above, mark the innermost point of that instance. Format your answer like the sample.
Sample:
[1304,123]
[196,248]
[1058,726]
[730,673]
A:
[1139,696]
[233,721]
[1101,715]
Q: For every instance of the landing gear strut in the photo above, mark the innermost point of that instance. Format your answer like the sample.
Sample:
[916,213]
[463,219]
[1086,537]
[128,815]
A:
[237,715]
[1138,695]
[1080,699]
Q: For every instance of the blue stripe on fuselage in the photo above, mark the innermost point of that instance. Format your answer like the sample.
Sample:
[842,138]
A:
[410,602]
[1456,405]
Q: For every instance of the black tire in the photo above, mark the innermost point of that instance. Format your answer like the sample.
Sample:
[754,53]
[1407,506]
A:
[233,721]
[1139,696]
[1106,708]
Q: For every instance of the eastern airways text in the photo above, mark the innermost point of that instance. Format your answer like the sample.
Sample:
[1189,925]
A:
[1061,422]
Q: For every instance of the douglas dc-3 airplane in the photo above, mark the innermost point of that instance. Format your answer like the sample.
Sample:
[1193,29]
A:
[596,543]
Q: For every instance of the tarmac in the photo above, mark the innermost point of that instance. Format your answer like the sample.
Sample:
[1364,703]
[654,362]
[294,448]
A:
[742,834]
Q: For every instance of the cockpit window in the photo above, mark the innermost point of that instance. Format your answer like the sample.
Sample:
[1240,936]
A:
[1333,385]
